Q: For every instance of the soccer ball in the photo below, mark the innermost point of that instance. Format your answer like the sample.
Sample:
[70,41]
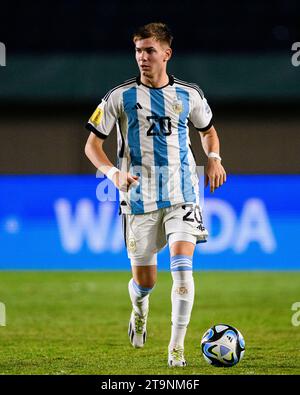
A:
[222,345]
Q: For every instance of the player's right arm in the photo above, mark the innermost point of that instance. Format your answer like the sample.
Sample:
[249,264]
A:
[101,123]
[96,154]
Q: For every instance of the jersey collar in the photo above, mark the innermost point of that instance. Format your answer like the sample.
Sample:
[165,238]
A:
[171,82]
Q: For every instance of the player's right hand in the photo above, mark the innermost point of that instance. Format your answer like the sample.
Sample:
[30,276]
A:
[124,181]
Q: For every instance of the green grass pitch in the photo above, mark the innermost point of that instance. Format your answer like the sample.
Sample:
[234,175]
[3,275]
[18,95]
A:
[76,323]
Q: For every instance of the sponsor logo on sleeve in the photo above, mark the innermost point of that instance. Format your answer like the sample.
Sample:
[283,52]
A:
[96,117]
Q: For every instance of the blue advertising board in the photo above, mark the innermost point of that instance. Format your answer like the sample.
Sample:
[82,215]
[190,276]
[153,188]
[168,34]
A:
[57,223]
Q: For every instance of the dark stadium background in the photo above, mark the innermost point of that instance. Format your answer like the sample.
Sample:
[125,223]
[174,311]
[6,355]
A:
[62,56]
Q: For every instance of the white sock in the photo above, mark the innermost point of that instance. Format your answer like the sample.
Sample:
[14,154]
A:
[139,297]
[182,298]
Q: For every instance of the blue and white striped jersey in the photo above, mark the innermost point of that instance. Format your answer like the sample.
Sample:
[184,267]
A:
[153,140]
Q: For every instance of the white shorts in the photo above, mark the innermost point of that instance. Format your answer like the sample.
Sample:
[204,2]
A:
[146,234]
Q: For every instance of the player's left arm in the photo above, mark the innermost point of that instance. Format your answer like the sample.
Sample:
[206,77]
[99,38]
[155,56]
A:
[214,173]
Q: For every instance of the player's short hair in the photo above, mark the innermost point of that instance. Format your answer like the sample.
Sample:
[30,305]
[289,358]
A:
[158,30]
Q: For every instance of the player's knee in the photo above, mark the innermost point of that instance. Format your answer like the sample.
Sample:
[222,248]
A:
[149,284]
[145,271]
[146,280]
[141,289]
[181,244]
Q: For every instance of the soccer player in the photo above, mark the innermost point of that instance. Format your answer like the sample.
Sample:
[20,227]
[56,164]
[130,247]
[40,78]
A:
[156,176]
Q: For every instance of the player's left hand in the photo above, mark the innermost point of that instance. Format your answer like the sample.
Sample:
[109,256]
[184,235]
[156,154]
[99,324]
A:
[214,174]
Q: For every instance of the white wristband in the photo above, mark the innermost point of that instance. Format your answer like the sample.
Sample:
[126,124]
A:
[214,155]
[111,172]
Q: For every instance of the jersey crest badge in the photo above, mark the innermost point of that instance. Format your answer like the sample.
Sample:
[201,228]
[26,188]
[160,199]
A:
[177,105]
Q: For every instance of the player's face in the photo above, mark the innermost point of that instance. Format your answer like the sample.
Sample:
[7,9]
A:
[151,56]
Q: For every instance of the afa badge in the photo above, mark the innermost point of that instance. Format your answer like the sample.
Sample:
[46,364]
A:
[181,290]
[131,245]
[96,117]
[177,105]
